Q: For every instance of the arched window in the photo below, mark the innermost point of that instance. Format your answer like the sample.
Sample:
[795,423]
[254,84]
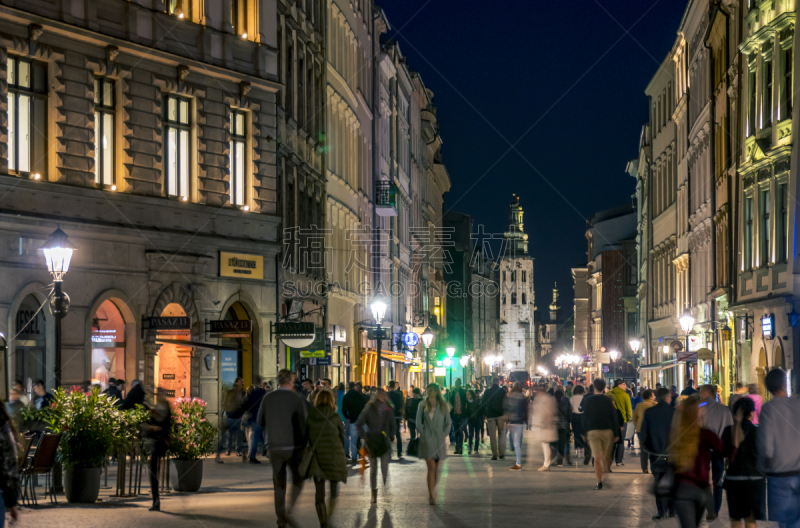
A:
[513,298]
[524,299]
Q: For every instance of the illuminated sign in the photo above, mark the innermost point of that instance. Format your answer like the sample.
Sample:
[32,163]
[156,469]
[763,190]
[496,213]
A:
[439,372]
[768,326]
[410,339]
[241,266]
[312,353]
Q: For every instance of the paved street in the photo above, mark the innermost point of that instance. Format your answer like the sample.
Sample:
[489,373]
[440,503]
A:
[473,492]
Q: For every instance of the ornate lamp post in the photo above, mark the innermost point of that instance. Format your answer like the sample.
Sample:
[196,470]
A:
[427,339]
[378,311]
[58,254]
[449,362]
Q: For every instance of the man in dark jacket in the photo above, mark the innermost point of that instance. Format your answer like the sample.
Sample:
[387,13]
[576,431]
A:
[397,402]
[654,436]
[251,405]
[112,391]
[458,414]
[135,396]
[601,423]
[352,405]
[412,404]
[493,399]
[283,413]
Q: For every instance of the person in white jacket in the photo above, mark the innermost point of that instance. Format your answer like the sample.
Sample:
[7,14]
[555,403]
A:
[545,421]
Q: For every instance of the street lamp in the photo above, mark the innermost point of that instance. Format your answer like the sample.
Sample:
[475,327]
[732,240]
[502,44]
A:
[378,307]
[58,255]
[614,355]
[427,339]
[464,360]
[450,353]
[635,345]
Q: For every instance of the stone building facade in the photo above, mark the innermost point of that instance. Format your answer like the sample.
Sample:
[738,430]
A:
[148,134]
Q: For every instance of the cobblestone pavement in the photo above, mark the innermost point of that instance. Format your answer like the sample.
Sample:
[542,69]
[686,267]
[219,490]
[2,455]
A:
[473,492]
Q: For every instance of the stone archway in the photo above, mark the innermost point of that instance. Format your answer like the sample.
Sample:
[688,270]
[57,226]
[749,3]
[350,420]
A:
[130,336]
[40,292]
[175,293]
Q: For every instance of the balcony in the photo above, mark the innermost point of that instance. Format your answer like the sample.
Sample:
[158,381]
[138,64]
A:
[385,198]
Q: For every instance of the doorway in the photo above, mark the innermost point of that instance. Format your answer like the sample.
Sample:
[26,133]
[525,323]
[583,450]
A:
[173,364]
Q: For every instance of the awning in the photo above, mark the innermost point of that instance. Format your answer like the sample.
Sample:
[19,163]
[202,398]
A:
[660,366]
[389,355]
[196,344]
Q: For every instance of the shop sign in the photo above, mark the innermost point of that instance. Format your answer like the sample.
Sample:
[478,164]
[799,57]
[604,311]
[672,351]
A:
[312,353]
[167,392]
[294,329]
[768,326]
[323,361]
[166,323]
[168,376]
[439,372]
[230,328]
[339,334]
[410,339]
[106,339]
[241,266]
[229,367]
[688,356]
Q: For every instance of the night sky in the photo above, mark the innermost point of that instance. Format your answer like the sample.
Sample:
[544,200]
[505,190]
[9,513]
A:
[567,77]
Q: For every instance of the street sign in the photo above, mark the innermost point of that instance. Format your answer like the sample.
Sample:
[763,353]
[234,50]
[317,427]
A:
[687,356]
[676,346]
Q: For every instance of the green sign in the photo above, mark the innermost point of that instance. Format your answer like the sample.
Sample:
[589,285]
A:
[312,353]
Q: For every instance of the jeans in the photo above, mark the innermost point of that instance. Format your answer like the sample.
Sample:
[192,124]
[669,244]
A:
[658,466]
[280,461]
[353,442]
[256,433]
[473,436]
[619,449]
[233,428]
[515,431]
[373,469]
[562,446]
[347,438]
[690,503]
[459,424]
[717,468]
[159,450]
[496,428]
[398,421]
[783,500]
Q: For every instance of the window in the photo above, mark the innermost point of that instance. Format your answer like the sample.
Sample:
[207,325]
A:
[782,247]
[177,126]
[524,277]
[763,228]
[786,89]
[751,113]
[104,132]
[632,324]
[239,17]
[524,299]
[513,298]
[748,232]
[513,276]
[238,157]
[180,8]
[766,118]
[27,116]
[504,276]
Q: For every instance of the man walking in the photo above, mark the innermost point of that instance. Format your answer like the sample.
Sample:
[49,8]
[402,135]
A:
[737,393]
[252,406]
[648,401]
[234,409]
[622,402]
[601,424]
[494,398]
[654,438]
[396,400]
[779,451]
[689,390]
[458,414]
[352,405]
[716,417]
[283,413]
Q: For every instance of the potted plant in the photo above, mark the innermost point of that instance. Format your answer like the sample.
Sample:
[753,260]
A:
[88,423]
[35,420]
[192,437]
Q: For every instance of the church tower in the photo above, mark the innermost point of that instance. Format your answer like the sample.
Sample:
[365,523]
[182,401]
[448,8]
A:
[517,305]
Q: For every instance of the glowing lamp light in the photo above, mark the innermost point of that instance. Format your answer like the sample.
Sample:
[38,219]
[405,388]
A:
[113,187]
[614,354]
[687,321]
[37,176]
[446,362]
[427,337]
[58,254]
[246,208]
[635,344]
[464,360]
[244,35]
[184,198]
[378,307]
[451,351]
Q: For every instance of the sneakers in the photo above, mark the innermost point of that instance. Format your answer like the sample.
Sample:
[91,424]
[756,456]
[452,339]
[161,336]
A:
[544,468]
[599,486]
[469,451]
[516,467]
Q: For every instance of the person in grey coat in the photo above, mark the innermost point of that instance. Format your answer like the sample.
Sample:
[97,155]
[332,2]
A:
[433,426]
[378,416]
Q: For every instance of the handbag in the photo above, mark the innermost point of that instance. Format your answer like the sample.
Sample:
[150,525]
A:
[664,488]
[413,448]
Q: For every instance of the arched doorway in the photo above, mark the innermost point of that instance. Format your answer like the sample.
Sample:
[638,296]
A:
[108,344]
[173,364]
[237,361]
[761,371]
[778,360]
[30,343]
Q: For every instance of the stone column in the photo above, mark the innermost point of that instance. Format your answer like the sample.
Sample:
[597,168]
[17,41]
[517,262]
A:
[150,353]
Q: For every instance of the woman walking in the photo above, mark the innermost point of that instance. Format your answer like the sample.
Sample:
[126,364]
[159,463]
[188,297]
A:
[516,409]
[9,476]
[326,437]
[433,425]
[744,482]
[474,419]
[690,453]
[544,423]
[157,431]
[564,419]
[378,416]
[577,418]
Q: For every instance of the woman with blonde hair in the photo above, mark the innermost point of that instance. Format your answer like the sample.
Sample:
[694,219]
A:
[378,416]
[433,426]
[690,450]
[326,438]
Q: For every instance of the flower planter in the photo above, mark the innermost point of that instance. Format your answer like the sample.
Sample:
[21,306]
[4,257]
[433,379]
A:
[82,485]
[190,474]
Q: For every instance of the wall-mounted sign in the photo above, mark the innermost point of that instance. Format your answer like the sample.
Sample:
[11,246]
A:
[312,353]
[229,367]
[230,328]
[410,339]
[688,356]
[768,326]
[241,266]
[167,393]
[168,376]
[177,325]
[339,334]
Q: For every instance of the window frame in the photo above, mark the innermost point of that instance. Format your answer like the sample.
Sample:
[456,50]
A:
[238,137]
[17,92]
[179,127]
[747,231]
[102,109]
[764,233]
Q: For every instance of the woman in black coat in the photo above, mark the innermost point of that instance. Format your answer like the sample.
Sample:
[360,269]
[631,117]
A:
[564,416]
[474,419]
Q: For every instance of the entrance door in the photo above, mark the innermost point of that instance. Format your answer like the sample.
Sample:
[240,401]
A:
[30,365]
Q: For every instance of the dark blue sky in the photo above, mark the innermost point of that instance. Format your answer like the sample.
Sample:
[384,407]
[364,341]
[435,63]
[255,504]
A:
[564,72]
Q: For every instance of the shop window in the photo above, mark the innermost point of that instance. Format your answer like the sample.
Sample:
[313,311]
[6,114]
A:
[104,107]
[108,344]
[27,116]
[177,125]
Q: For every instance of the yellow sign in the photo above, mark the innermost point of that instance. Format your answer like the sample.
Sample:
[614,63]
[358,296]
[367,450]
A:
[312,353]
[241,266]
[415,367]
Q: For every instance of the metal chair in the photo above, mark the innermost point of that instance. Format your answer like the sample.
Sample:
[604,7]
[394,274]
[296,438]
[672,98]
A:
[42,463]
